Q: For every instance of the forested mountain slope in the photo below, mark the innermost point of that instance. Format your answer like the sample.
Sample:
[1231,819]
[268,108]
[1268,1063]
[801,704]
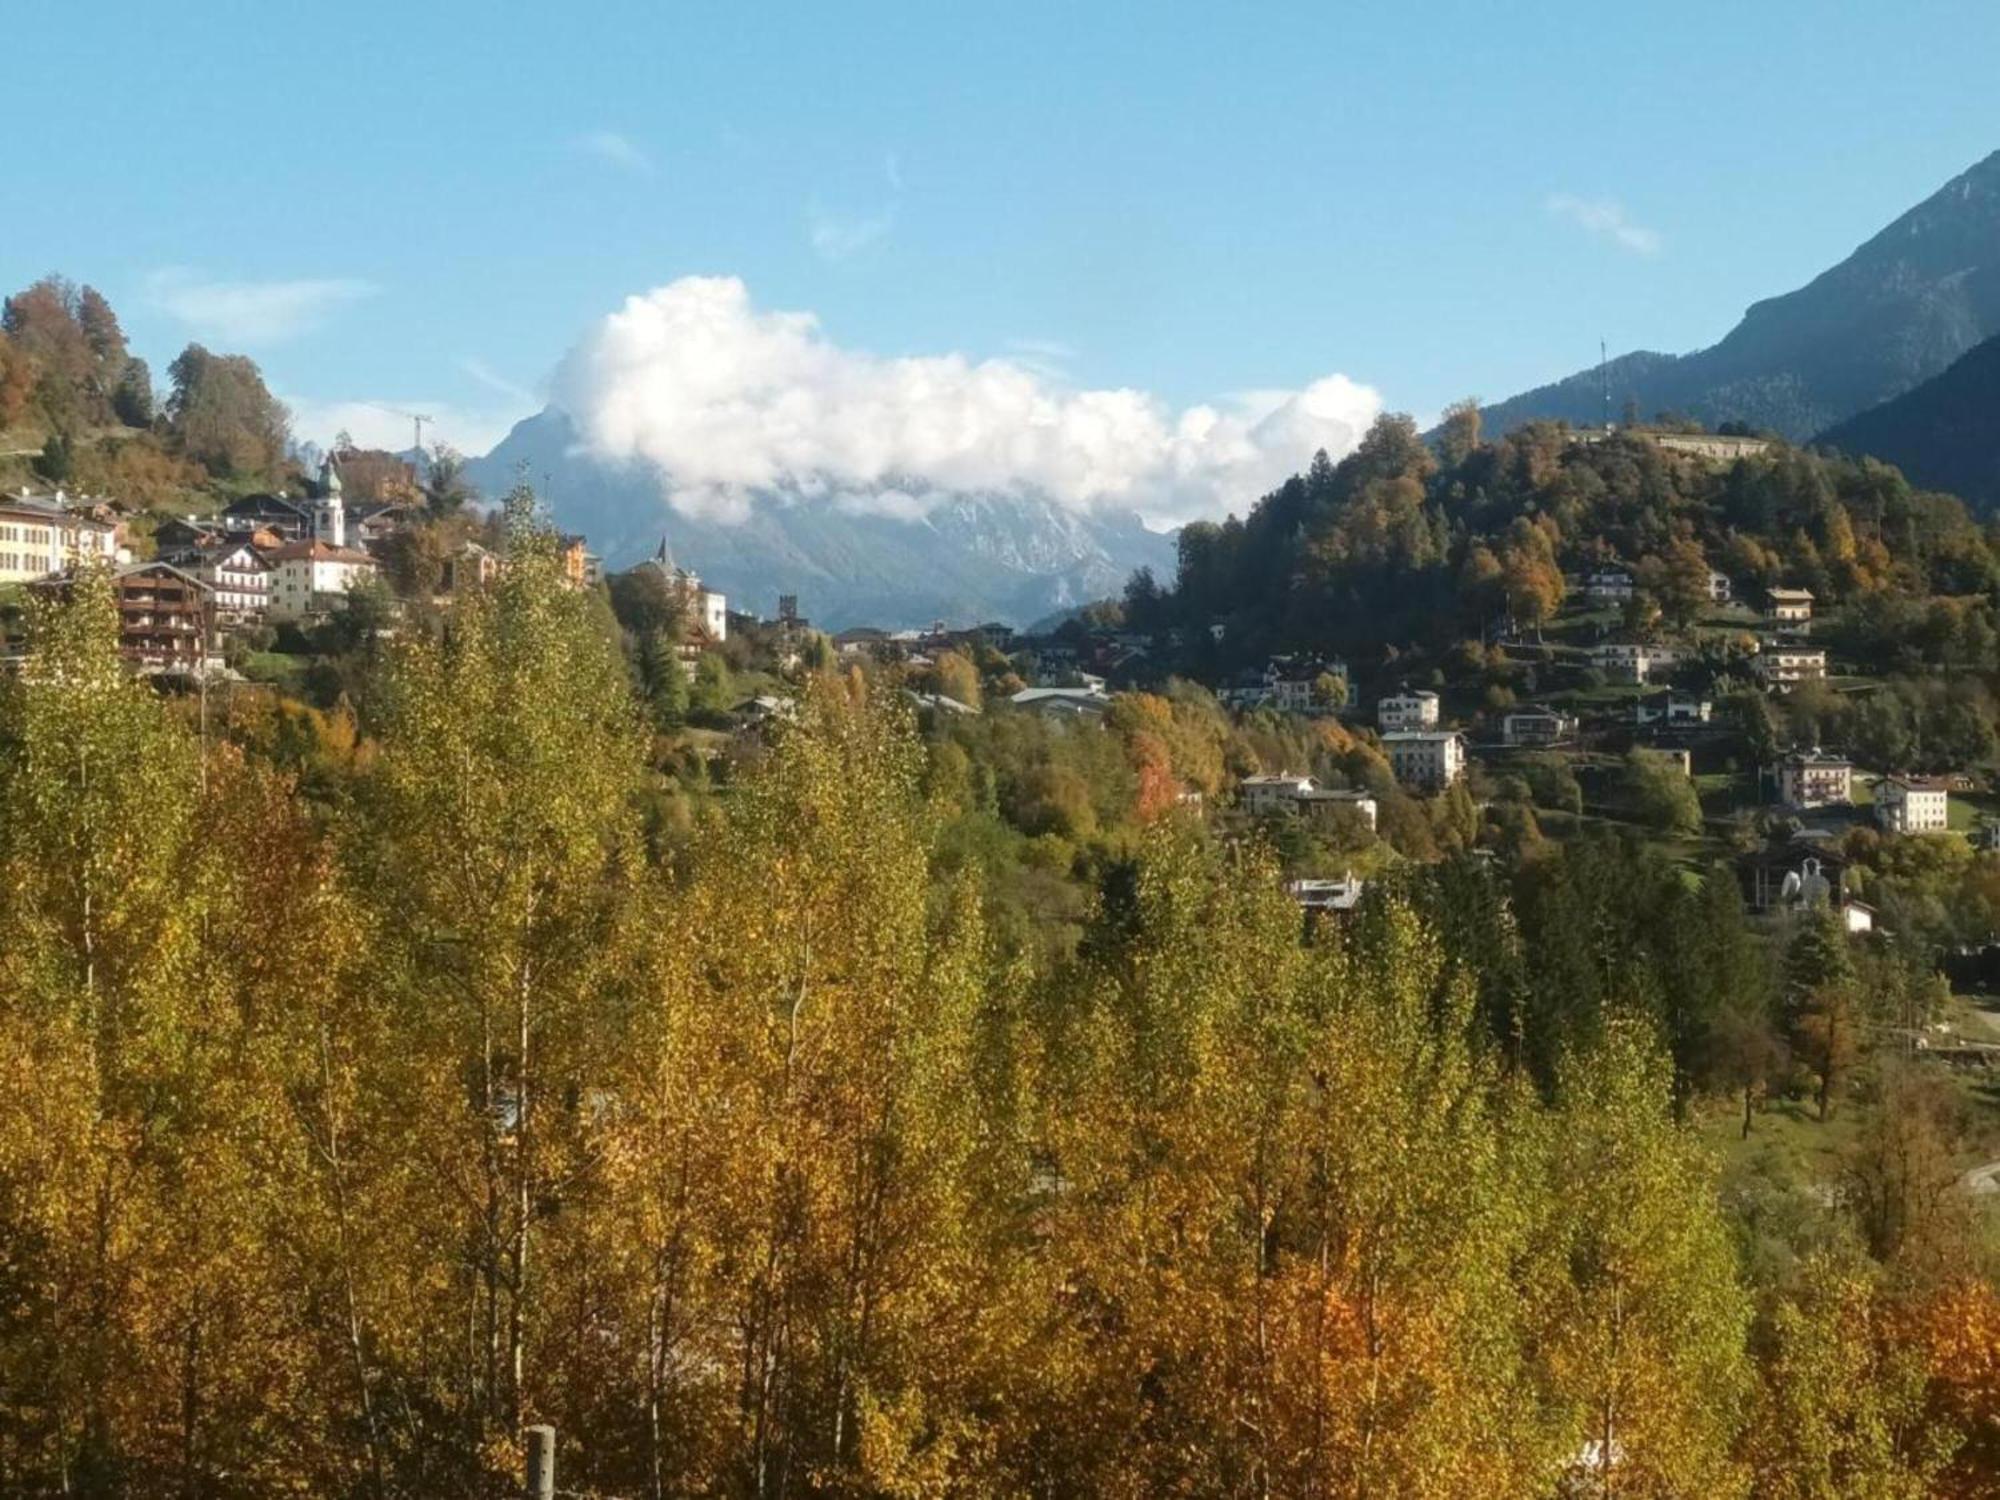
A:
[1945,434]
[1894,313]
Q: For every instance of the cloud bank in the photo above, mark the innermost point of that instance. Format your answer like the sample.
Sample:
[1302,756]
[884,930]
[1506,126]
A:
[730,402]
[251,312]
[1607,220]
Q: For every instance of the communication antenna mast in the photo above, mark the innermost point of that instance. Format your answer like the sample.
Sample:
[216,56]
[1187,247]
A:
[1604,381]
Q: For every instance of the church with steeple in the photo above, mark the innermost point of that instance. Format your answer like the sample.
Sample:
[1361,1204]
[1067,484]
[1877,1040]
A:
[312,576]
[329,517]
[705,607]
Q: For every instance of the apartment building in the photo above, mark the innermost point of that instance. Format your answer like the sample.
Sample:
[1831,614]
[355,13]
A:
[41,535]
[1912,804]
[1428,760]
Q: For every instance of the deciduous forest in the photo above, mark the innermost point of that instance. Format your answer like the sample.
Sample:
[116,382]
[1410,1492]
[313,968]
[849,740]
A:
[352,1119]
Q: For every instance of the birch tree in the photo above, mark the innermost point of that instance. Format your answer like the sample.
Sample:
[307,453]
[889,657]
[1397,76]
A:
[498,845]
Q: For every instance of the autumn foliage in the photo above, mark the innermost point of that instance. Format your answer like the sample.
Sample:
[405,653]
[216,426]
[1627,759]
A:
[342,1135]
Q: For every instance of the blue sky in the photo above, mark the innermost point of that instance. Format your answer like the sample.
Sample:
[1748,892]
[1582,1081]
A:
[428,205]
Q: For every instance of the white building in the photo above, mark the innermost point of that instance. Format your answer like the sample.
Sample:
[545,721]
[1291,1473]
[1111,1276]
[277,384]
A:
[1289,684]
[1418,710]
[311,578]
[1673,709]
[40,535]
[1780,664]
[1909,804]
[1294,682]
[1632,661]
[1332,897]
[1292,695]
[1814,778]
[1612,586]
[1263,795]
[470,566]
[1536,726]
[1429,760]
[238,579]
[1790,606]
[1818,884]
[1301,796]
[713,611]
[1720,590]
[706,608]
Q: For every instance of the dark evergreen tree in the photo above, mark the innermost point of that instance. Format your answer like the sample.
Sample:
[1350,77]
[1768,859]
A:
[132,400]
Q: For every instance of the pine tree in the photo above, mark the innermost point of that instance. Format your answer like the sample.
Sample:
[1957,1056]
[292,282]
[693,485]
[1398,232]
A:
[132,397]
[1821,1008]
[1745,1046]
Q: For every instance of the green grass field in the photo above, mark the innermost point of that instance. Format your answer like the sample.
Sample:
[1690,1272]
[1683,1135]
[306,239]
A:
[274,667]
[1787,1141]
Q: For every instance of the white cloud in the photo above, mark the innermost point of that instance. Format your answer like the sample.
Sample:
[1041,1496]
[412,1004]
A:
[251,312]
[731,403]
[1605,218]
[620,150]
[837,237]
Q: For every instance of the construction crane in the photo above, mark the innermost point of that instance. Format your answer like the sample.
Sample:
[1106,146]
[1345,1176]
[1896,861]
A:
[418,418]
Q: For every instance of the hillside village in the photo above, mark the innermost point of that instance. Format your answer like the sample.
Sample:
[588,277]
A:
[1673,736]
[217,589]
[1476,971]
[1635,718]
[1700,734]
[1000,753]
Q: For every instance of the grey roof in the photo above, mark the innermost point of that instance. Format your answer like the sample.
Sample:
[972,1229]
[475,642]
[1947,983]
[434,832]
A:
[941,701]
[132,570]
[1080,698]
[48,508]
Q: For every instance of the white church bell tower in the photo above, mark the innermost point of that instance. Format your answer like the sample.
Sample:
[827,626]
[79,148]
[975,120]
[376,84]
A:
[329,512]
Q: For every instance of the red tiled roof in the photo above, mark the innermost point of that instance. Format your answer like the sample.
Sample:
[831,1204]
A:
[319,552]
